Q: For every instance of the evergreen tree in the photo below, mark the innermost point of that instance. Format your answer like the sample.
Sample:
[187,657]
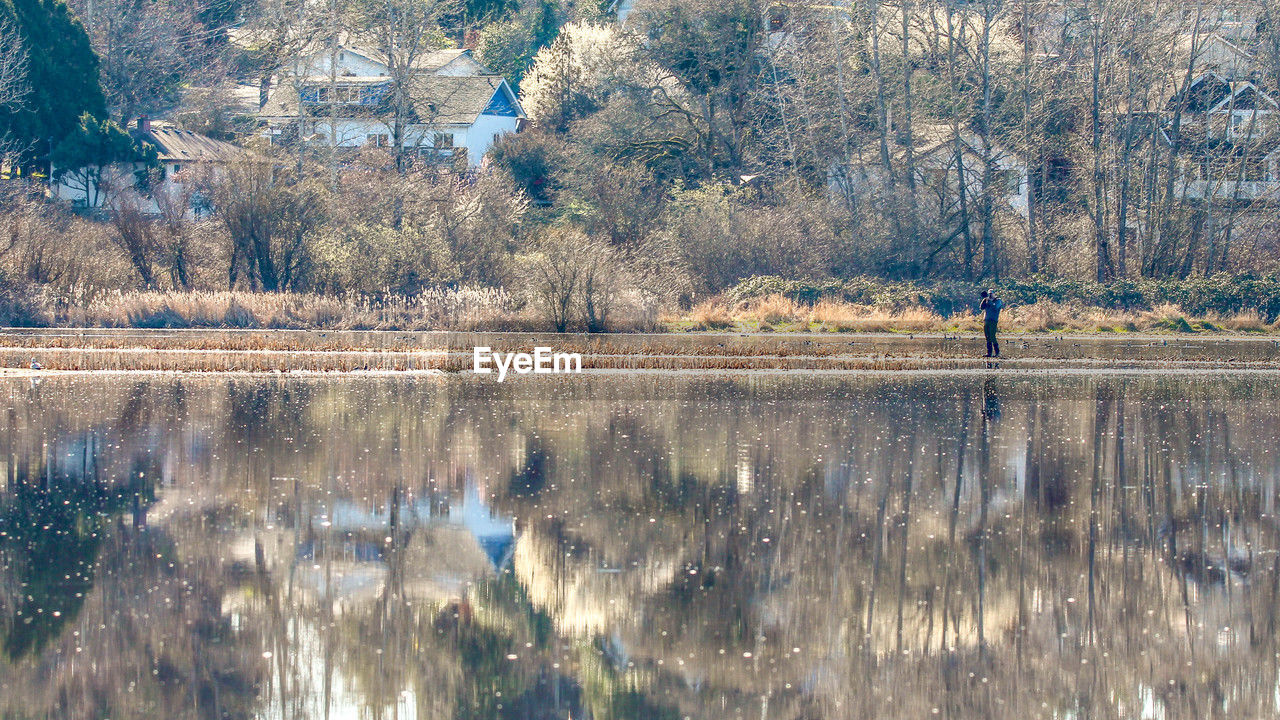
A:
[62,73]
[82,158]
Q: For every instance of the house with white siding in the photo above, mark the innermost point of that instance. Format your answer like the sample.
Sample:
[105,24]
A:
[1228,141]
[942,166]
[181,155]
[339,97]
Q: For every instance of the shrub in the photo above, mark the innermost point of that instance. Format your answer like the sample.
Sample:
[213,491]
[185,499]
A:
[22,304]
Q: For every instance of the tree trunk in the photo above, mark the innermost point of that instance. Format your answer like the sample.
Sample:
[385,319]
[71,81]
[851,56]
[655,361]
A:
[990,264]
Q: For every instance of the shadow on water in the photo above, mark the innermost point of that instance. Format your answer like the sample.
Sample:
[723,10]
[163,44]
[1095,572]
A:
[984,546]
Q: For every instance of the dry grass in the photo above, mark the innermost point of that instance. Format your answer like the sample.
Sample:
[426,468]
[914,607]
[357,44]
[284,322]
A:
[1249,321]
[445,309]
[478,310]
[777,312]
[710,315]
[844,317]
[773,310]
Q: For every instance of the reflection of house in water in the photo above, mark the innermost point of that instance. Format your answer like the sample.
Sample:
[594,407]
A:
[347,560]
[352,554]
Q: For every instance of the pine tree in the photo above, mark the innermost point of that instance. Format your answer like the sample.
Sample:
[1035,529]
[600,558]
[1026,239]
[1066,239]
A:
[62,72]
[84,156]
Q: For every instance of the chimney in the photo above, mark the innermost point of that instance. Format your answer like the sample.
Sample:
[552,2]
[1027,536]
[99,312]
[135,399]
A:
[144,124]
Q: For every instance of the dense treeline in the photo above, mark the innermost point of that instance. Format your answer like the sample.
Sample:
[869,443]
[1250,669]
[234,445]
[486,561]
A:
[676,149]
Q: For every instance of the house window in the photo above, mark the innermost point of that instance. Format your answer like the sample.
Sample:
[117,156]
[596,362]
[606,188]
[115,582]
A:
[347,95]
[382,140]
[1255,169]
[322,94]
[443,141]
[177,168]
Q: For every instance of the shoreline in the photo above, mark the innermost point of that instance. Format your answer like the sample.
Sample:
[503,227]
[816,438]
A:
[25,352]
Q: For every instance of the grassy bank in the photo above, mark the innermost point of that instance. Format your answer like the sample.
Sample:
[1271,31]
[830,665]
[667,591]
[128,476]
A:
[778,313]
[464,309]
[1237,305]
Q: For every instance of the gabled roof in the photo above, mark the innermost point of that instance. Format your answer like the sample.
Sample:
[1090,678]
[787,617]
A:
[437,59]
[440,99]
[461,100]
[174,145]
[1205,93]
[1212,93]
[430,61]
[934,139]
[1229,47]
[281,103]
[1246,96]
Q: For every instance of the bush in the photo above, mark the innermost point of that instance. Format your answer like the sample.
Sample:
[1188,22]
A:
[22,304]
[723,239]
[575,282]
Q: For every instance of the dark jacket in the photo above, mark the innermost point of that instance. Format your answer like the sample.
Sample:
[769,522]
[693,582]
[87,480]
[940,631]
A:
[991,307]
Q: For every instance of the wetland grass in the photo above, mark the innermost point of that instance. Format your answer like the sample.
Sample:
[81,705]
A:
[776,313]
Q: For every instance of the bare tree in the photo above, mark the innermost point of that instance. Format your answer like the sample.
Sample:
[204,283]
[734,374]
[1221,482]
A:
[270,213]
[403,32]
[175,229]
[148,50]
[13,80]
[134,233]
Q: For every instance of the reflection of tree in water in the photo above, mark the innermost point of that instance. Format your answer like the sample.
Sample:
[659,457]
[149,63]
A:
[1065,551]
[51,528]
[103,618]
[706,548]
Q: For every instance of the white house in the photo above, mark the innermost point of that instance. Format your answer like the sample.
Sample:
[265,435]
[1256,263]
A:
[936,173]
[621,8]
[178,151]
[339,96]
[1226,57]
[1229,142]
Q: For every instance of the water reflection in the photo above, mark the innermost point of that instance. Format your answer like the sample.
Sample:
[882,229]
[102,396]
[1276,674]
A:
[657,547]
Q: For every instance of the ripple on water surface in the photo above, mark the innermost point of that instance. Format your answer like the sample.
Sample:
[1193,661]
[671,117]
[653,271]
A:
[659,546]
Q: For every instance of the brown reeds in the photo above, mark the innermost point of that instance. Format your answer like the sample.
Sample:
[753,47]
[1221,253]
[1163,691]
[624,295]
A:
[778,313]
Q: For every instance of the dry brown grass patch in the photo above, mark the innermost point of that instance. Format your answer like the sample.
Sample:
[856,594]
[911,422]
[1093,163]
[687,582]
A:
[711,315]
[772,310]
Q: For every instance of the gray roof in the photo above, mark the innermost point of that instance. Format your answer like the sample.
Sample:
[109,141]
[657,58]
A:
[174,145]
[439,99]
[429,61]
[282,102]
[454,100]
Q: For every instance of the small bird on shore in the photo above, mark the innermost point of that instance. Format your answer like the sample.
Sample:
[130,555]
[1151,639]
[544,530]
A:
[36,366]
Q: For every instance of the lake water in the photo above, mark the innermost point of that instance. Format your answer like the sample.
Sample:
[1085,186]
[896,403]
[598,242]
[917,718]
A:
[982,545]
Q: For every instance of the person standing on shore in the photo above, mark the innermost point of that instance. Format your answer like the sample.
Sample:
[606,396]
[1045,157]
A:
[991,307]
